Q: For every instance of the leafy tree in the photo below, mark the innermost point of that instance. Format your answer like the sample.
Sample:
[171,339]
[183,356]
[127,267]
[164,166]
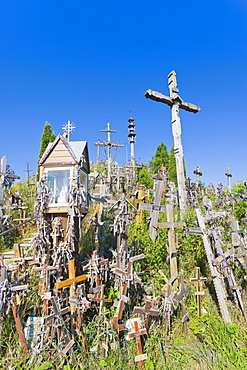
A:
[161,157]
[144,178]
[47,137]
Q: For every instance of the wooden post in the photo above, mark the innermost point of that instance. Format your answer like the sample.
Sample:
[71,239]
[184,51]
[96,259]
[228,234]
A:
[137,333]
[18,251]
[159,186]
[71,268]
[198,279]
[127,276]
[122,301]
[20,332]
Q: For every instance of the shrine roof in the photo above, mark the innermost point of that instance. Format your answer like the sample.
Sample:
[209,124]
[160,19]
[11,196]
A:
[75,149]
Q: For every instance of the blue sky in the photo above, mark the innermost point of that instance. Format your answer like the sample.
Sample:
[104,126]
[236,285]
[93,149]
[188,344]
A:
[90,62]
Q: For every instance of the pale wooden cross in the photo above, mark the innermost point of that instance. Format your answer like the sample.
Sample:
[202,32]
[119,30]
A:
[100,299]
[4,175]
[239,240]
[126,275]
[168,306]
[181,297]
[147,310]
[199,280]
[175,102]
[94,267]
[171,225]
[227,270]
[155,208]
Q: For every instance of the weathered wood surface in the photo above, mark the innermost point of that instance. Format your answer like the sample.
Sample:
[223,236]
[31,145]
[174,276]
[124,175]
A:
[199,292]
[219,288]
[175,102]
[171,225]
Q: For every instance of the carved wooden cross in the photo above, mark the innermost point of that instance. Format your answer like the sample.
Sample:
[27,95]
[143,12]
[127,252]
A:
[140,199]
[227,270]
[198,279]
[175,102]
[100,299]
[137,334]
[93,267]
[126,276]
[168,306]
[239,240]
[155,208]
[147,310]
[171,225]
[4,176]
[180,297]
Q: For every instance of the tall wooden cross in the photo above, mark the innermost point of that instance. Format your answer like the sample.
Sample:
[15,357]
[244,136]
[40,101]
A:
[175,102]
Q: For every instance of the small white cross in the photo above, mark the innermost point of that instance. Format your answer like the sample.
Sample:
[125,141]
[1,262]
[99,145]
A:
[68,128]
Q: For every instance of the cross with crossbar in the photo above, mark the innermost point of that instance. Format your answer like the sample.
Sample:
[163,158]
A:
[176,103]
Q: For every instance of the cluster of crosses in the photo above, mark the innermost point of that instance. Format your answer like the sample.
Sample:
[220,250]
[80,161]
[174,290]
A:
[71,287]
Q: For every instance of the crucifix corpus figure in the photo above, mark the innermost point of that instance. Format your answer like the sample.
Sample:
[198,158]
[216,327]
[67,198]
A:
[175,102]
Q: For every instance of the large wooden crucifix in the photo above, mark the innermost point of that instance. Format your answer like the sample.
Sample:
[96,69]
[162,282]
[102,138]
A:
[175,102]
